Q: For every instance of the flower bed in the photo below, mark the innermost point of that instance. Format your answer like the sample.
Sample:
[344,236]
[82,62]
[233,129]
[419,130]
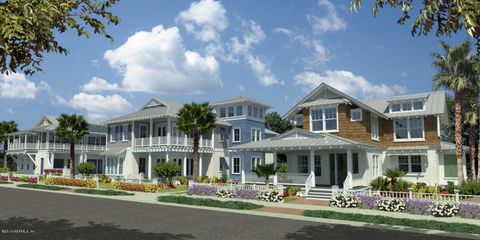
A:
[135,187]
[368,202]
[207,190]
[15,179]
[444,210]
[246,194]
[469,211]
[90,183]
[391,205]
[4,178]
[418,207]
[53,171]
[344,201]
[204,190]
[270,196]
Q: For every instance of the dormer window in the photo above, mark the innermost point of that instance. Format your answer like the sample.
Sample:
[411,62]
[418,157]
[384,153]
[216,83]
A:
[230,111]
[418,105]
[239,110]
[223,112]
[407,106]
[396,107]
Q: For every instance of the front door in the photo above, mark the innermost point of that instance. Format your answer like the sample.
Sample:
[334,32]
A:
[42,165]
[141,165]
[338,168]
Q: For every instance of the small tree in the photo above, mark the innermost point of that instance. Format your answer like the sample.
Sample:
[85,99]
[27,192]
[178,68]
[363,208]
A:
[393,176]
[276,123]
[167,171]
[87,168]
[5,129]
[266,171]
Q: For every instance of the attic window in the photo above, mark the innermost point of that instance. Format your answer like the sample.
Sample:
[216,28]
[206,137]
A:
[356,114]
[407,106]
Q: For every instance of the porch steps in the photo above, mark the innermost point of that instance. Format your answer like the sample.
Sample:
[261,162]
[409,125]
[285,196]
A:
[320,193]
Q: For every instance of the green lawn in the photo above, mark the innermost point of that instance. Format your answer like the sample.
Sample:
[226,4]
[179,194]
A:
[2,182]
[207,202]
[289,199]
[105,185]
[103,192]
[378,219]
[44,187]
[178,189]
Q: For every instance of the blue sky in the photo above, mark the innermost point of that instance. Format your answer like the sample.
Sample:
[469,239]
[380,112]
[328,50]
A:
[272,51]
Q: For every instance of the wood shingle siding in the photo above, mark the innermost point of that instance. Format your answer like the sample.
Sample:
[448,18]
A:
[357,130]
[430,132]
[306,119]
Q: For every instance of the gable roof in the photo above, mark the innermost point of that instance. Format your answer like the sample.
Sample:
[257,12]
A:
[341,97]
[53,124]
[240,99]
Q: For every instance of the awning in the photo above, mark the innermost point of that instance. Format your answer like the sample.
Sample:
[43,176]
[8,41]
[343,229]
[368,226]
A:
[113,152]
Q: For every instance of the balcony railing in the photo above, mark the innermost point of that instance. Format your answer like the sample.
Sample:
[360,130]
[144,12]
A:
[176,141]
[54,146]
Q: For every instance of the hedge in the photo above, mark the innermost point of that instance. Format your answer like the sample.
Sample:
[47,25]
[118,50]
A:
[44,187]
[103,192]
[209,202]
[377,219]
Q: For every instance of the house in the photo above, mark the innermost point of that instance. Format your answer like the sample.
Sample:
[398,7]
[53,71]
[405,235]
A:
[342,141]
[139,141]
[37,148]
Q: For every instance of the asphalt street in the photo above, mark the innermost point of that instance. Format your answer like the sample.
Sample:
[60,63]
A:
[28,214]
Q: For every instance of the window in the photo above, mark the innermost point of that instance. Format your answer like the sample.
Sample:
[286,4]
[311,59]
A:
[299,120]
[303,164]
[255,111]
[260,113]
[120,166]
[249,110]
[396,107]
[256,134]
[255,162]
[450,166]
[91,141]
[403,163]
[118,131]
[407,106]
[239,110]
[230,111]
[236,135]
[374,126]
[356,114]
[410,164]
[236,165]
[376,166]
[318,166]
[58,163]
[324,119]
[355,163]
[418,105]
[129,132]
[223,113]
[221,134]
[409,128]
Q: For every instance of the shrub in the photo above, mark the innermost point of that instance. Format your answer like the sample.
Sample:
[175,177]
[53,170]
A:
[378,184]
[4,170]
[135,187]
[292,191]
[43,187]
[403,185]
[86,168]
[212,179]
[15,178]
[368,202]
[246,194]
[391,205]
[151,188]
[450,188]
[224,178]
[204,190]
[4,178]
[393,175]
[32,180]
[344,201]
[104,179]
[166,171]
[2,182]
[183,180]
[270,196]
[225,194]
[103,192]
[202,179]
[471,187]
[90,183]
[444,210]
[209,202]
[23,179]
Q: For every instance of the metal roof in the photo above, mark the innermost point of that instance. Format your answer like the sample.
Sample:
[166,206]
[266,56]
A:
[323,102]
[268,131]
[52,124]
[435,104]
[450,146]
[241,99]
[298,139]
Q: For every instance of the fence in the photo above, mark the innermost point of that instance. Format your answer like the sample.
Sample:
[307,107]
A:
[232,186]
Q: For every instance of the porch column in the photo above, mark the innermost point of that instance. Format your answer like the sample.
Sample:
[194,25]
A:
[213,138]
[169,130]
[151,132]
[200,165]
[312,165]
[184,165]
[132,134]
[105,164]
[25,144]
[149,165]
[242,170]
[275,178]
[349,165]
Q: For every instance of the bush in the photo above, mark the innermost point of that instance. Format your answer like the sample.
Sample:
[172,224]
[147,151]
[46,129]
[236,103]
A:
[292,191]
[368,202]
[86,168]
[32,180]
[205,190]
[2,182]
[90,183]
[103,192]
[166,171]
[403,185]
[209,202]
[4,178]
[391,205]
[444,210]
[43,187]
[182,179]
[4,170]
[202,179]
[471,187]
[104,179]
[450,188]
[135,187]
[224,178]
[378,184]
[15,178]
[23,179]
[225,194]
[270,196]
[344,201]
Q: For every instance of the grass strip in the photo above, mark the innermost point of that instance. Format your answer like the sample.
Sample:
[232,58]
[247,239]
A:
[44,187]
[206,202]
[2,182]
[377,219]
[103,192]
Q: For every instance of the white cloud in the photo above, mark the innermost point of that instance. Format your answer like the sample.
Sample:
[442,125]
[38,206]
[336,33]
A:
[16,85]
[110,105]
[97,84]
[241,88]
[329,23]
[157,62]
[244,47]
[205,19]
[9,110]
[346,82]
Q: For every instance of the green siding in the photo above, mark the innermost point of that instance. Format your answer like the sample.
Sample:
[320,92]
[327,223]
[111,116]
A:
[450,165]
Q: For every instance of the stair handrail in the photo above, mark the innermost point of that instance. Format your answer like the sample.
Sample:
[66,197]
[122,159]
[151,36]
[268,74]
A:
[309,183]
[348,183]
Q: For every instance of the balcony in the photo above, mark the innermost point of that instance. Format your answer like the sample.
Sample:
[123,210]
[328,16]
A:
[174,141]
[54,147]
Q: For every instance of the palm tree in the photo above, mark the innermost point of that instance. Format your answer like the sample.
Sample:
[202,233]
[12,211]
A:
[455,69]
[471,118]
[266,171]
[5,129]
[393,175]
[196,119]
[71,128]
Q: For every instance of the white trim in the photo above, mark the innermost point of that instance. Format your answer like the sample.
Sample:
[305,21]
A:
[258,161]
[356,110]
[255,134]
[239,134]
[323,119]
[411,101]
[377,137]
[239,165]
[409,139]
[409,163]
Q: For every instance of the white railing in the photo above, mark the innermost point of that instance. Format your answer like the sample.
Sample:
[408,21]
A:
[292,178]
[142,141]
[433,197]
[232,186]
[309,183]
[176,140]
[348,183]
[159,141]
[54,146]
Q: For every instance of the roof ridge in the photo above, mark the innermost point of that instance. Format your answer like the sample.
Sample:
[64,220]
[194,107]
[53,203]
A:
[403,95]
